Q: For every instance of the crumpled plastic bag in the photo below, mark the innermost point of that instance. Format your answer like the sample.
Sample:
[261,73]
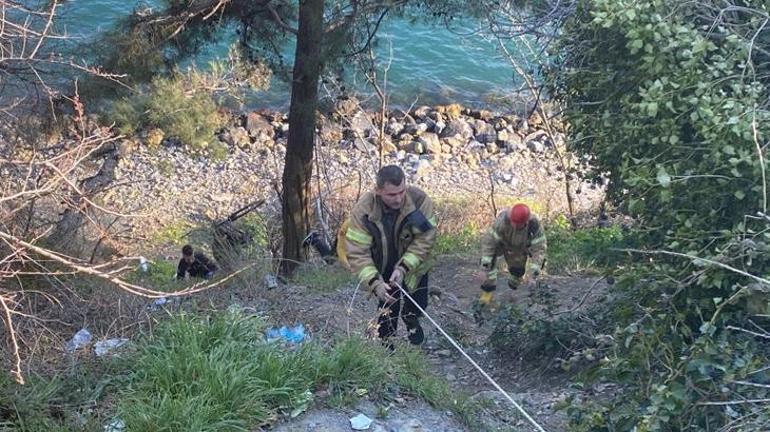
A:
[103,347]
[292,335]
[81,339]
[360,422]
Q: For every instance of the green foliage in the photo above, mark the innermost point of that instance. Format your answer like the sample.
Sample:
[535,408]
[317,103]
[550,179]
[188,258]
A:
[584,250]
[218,151]
[353,367]
[323,278]
[63,402]
[536,332]
[463,242]
[173,233]
[675,131]
[170,105]
[218,373]
[666,100]
[256,225]
[416,377]
[210,374]
[160,276]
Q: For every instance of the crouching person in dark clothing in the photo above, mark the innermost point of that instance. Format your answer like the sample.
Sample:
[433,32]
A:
[196,264]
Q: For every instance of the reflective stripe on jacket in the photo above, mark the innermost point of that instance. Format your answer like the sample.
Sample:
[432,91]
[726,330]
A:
[502,236]
[366,242]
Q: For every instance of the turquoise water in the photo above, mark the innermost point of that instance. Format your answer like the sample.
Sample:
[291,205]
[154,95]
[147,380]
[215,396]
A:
[430,64]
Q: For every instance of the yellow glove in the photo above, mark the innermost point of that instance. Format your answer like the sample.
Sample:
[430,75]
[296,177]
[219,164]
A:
[485,298]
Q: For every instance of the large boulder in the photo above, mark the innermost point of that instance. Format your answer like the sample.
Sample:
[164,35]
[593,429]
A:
[415,128]
[510,141]
[457,127]
[481,114]
[236,137]
[394,127]
[455,143]
[430,142]
[421,112]
[416,147]
[258,127]
[359,124]
[387,145]
[485,132]
[535,141]
[452,111]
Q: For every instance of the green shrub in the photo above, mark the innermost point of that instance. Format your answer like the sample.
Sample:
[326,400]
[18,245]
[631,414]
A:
[205,374]
[218,151]
[192,117]
[584,250]
[127,114]
[170,105]
[672,111]
[160,276]
[218,373]
[67,401]
[466,241]
[353,364]
[323,277]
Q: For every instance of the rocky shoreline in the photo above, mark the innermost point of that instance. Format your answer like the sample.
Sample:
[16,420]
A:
[449,151]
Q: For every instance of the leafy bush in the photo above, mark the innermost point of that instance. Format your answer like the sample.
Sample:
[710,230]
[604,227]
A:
[584,250]
[170,105]
[668,101]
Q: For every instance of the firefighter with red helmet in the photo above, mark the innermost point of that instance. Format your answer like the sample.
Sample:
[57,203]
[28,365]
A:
[518,236]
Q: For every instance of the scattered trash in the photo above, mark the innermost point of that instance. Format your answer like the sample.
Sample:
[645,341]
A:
[81,339]
[271,282]
[360,422]
[144,265]
[302,402]
[292,335]
[103,347]
[160,301]
[115,426]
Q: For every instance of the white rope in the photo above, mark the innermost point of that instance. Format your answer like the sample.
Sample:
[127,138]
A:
[459,348]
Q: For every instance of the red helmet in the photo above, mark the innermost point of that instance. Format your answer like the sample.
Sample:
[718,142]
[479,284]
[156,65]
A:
[519,215]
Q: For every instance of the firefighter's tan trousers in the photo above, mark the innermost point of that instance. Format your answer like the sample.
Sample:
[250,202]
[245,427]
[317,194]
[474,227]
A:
[517,265]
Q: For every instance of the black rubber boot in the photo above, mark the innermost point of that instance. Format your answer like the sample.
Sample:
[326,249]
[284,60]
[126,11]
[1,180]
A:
[416,335]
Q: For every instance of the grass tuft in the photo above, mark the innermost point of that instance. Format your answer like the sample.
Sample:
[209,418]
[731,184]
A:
[323,278]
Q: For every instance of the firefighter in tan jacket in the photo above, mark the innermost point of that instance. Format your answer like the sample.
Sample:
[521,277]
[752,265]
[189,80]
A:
[518,236]
[389,237]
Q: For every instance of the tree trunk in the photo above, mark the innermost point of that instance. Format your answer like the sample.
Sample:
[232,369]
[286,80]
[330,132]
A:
[298,167]
[63,238]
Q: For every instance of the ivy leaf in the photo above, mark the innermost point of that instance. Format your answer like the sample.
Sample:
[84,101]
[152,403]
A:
[740,194]
[636,45]
[652,109]
[663,178]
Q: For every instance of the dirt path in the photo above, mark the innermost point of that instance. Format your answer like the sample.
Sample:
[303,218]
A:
[348,311]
